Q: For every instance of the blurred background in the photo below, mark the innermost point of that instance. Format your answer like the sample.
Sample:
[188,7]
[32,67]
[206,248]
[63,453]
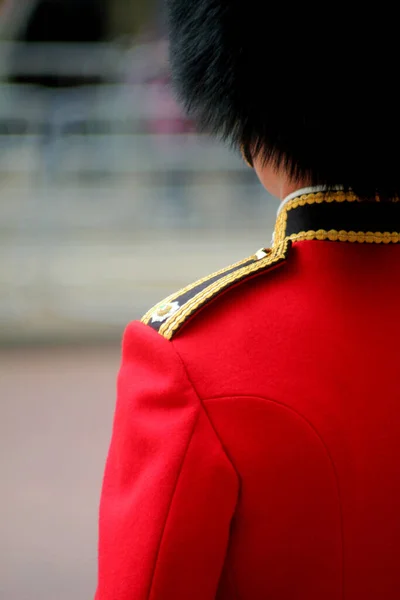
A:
[109,201]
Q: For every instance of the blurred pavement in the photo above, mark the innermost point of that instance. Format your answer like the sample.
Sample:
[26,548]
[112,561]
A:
[55,423]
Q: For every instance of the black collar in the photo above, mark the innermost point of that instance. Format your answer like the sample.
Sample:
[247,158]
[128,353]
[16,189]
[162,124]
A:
[338,217]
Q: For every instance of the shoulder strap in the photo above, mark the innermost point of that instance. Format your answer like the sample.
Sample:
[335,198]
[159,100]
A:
[170,315]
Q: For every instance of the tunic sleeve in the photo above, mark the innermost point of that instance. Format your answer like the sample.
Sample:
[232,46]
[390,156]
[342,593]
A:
[169,490]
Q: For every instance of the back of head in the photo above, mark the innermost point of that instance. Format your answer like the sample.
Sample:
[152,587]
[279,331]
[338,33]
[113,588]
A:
[309,88]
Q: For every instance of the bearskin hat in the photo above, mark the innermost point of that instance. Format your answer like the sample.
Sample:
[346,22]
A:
[306,86]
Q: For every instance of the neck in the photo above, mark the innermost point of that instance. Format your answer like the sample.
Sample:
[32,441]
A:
[288,187]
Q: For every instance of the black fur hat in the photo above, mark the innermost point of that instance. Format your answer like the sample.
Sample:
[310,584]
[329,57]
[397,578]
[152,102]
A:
[312,91]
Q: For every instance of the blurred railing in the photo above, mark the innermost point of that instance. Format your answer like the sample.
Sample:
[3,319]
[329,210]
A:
[108,199]
[103,59]
[116,115]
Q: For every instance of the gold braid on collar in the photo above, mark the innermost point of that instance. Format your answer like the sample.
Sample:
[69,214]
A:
[338,217]
[333,216]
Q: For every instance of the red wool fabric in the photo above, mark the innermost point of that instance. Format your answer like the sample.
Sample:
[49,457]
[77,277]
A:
[255,456]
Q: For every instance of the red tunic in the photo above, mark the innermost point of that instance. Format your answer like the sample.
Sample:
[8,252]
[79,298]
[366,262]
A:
[256,444]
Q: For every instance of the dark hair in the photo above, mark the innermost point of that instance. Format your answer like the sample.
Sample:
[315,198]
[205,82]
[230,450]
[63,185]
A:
[312,92]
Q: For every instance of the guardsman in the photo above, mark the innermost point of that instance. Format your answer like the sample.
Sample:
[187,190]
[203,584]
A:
[256,444]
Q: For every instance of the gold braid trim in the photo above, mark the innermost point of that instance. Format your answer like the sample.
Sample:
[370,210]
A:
[332,235]
[361,237]
[146,318]
[314,198]
[277,254]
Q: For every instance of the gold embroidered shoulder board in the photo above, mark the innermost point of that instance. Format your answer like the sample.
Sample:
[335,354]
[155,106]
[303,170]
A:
[170,315]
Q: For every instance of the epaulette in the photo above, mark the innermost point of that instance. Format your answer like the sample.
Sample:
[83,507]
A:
[169,316]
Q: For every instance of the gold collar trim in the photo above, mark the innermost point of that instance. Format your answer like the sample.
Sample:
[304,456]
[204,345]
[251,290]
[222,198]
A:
[300,219]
